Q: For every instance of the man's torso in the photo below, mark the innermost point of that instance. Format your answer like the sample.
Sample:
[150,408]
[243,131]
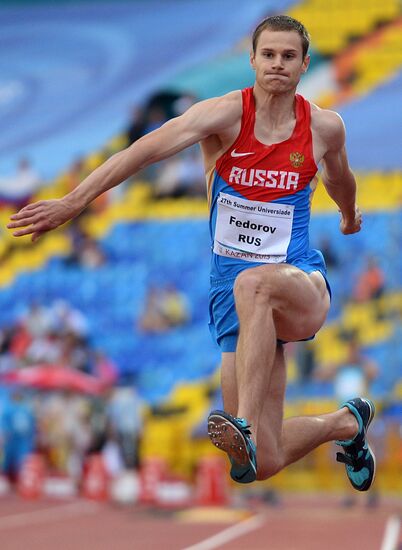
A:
[214,146]
[259,193]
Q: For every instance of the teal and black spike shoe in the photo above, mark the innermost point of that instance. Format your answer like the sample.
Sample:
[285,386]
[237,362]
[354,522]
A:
[358,457]
[232,435]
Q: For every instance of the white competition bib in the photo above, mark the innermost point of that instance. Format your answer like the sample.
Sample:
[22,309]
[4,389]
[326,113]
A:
[252,230]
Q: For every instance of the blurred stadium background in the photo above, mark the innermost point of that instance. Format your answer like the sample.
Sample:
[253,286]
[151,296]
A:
[119,296]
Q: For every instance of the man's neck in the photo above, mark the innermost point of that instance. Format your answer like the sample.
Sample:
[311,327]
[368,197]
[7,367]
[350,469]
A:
[276,109]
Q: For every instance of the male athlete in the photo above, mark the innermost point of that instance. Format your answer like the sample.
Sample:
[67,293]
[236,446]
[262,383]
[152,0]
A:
[261,148]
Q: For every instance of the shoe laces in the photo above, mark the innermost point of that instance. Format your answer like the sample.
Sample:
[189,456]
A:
[347,459]
[353,459]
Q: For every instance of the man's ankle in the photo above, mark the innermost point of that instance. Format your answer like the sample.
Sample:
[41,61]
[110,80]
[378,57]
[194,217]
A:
[348,425]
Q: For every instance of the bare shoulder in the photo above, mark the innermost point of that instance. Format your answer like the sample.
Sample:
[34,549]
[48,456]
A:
[230,102]
[218,113]
[329,126]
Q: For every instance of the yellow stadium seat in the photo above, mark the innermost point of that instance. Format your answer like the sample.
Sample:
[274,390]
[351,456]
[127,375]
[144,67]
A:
[332,24]
[93,161]
[117,143]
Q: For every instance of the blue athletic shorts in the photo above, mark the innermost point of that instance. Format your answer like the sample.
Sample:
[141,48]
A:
[223,321]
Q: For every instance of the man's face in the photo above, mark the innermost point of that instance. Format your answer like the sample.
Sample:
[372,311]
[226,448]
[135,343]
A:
[278,61]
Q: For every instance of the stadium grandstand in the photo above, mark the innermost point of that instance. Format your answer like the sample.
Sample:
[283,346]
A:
[96,76]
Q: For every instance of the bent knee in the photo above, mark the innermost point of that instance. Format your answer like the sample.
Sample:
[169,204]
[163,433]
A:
[268,468]
[250,284]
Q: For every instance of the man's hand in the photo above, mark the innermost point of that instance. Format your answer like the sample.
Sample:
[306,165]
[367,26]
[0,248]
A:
[351,225]
[39,217]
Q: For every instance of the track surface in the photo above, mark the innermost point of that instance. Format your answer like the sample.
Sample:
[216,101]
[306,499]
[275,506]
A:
[299,523]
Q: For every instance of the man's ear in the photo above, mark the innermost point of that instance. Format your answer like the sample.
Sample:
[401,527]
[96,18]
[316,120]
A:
[306,63]
[252,60]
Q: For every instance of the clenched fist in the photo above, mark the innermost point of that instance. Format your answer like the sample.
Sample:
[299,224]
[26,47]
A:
[351,225]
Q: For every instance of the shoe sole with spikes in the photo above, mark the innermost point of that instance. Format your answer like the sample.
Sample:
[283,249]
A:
[226,434]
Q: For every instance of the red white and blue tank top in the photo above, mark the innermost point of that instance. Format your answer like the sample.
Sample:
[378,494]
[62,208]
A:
[259,196]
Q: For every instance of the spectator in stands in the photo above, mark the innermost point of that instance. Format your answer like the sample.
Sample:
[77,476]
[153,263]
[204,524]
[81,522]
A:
[351,377]
[19,341]
[154,119]
[75,174]
[37,320]
[86,252]
[124,414]
[64,431]
[175,306]
[104,369]
[370,283]
[330,256]
[57,334]
[112,454]
[164,309]
[91,256]
[183,103]
[354,375]
[44,349]
[160,108]
[19,189]
[66,318]
[306,361]
[7,358]
[75,352]
[51,439]
[78,433]
[182,175]
[78,170]
[18,433]
[151,319]
[136,127]
[55,347]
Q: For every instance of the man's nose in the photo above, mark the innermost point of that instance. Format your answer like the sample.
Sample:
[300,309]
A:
[277,62]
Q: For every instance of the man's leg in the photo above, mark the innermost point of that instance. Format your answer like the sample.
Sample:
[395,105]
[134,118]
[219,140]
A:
[291,305]
[229,383]
[269,444]
[281,443]
[272,302]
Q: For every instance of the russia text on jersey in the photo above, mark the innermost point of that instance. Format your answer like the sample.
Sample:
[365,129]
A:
[279,179]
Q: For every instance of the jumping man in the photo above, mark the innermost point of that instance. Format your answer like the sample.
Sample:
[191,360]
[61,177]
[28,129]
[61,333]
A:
[261,148]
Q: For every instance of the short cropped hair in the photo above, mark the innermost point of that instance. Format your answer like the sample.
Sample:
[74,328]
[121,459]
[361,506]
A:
[283,23]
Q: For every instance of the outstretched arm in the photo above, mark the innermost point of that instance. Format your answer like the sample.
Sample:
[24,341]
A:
[338,179]
[203,119]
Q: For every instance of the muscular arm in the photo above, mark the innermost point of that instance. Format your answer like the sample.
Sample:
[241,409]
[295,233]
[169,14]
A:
[338,179]
[200,121]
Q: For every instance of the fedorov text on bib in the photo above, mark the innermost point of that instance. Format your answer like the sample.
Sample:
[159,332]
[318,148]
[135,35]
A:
[252,230]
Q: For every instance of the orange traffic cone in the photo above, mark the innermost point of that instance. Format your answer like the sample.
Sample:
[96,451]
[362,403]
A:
[212,487]
[95,481]
[31,477]
[153,470]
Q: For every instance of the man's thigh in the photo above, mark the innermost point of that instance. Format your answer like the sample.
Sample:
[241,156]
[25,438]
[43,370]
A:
[300,301]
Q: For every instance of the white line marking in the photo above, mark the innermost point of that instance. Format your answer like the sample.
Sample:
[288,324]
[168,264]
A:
[46,515]
[229,534]
[391,534]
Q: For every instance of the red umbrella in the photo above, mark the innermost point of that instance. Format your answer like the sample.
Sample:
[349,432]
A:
[53,377]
